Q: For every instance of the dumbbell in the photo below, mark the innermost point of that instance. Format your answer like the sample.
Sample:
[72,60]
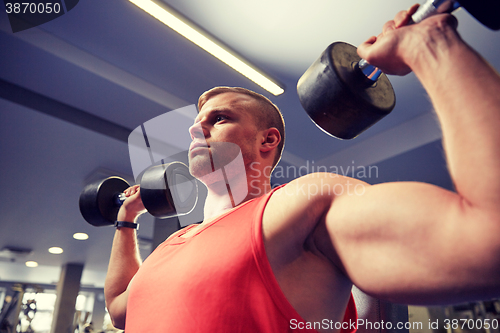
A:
[166,190]
[344,95]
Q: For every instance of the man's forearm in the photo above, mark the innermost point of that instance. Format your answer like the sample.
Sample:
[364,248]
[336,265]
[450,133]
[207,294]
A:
[465,92]
[123,264]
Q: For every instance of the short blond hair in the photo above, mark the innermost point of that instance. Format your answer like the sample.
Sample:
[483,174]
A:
[268,115]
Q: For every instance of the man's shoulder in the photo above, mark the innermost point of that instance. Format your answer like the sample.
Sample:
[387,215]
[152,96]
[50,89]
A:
[318,185]
[294,210]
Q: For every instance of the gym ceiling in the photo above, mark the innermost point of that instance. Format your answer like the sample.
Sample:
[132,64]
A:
[73,88]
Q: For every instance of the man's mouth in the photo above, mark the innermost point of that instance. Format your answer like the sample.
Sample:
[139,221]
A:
[198,146]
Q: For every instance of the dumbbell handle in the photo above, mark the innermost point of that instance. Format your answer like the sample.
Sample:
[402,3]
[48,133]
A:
[119,199]
[430,8]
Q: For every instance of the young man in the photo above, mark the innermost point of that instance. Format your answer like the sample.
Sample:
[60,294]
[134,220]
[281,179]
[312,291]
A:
[289,255]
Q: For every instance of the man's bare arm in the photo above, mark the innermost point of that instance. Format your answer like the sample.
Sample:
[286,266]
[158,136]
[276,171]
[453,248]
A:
[418,243]
[413,242]
[124,260]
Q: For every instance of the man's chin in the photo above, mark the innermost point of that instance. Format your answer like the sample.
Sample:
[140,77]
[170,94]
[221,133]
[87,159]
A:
[224,156]
[199,167]
[198,172]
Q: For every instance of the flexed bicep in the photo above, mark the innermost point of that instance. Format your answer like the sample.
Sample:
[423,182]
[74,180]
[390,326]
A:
[415,243]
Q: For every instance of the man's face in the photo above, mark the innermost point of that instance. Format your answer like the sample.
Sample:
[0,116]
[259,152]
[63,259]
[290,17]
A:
[223,128]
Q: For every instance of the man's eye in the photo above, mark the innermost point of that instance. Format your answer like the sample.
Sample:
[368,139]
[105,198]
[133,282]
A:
[220,118]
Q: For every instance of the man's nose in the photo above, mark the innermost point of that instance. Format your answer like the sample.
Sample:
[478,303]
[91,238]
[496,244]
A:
[197,132]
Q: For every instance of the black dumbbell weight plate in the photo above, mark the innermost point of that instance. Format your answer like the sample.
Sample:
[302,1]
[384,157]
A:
[339,98]
[485,11]
[169,190]
[98,201]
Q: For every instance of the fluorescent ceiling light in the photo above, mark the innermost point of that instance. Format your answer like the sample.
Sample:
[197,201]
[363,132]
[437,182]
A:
[56,250]
[167,16]
[80,236]
[31,263]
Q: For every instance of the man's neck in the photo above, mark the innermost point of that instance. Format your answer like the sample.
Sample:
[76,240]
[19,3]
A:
[224,196]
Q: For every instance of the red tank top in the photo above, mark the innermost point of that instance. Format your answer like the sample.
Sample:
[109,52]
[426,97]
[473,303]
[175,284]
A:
[218,280]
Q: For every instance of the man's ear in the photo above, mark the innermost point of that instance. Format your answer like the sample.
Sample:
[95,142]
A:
[270,139]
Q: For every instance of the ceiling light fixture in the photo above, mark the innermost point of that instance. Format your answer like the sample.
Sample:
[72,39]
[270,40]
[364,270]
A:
[56,250]
[31,263]
[169,17]
[80,236]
